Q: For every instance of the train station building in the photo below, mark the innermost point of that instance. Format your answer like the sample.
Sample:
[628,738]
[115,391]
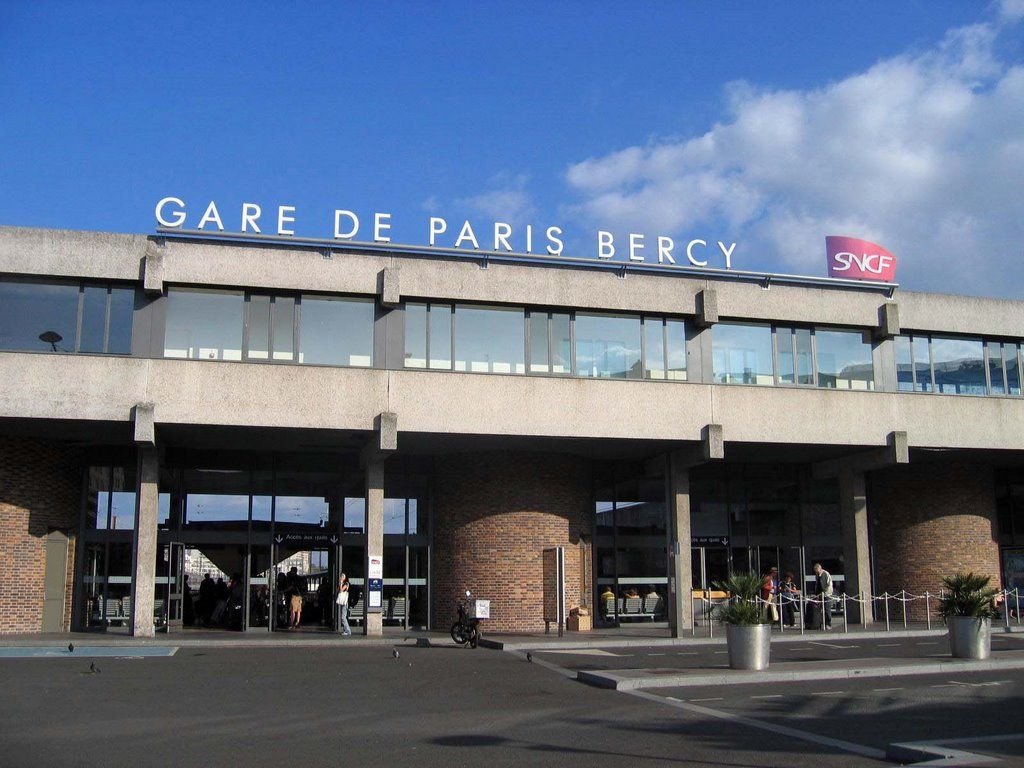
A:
[430,421]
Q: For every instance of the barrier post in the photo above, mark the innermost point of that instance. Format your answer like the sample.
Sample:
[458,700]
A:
[846,614]
[1016,594]
[693,618]
[903,600]
[711,620]
[1006,610]
[782,621]
[928,609]
[886,598]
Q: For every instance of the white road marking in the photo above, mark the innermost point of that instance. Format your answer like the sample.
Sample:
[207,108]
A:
[719,698]
[828,693]
[584,652]
[833,645]
[886,690]
[687,653]
[657,654]
[768,696]
[888,645]
[720,653]
[925,643]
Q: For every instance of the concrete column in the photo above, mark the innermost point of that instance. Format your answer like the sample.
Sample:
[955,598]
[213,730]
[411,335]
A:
[144,540]
[853,504]
[374,624]
[680,595]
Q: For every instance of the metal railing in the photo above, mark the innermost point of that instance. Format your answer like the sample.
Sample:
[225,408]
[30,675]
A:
[871,608]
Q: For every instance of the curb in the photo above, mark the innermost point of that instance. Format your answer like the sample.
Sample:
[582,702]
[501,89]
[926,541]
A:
[620,682]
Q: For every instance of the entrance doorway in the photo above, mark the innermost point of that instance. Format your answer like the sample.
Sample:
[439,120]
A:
[303,587]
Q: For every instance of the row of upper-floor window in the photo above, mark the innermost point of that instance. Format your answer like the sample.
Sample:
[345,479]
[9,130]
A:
[339,330]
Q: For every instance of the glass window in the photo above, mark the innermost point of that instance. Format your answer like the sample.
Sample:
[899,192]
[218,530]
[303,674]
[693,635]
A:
[959,366]
[654,348]
[204,324]
[119,336]
[302,510]
[608,346]
[561,344]
[675,339]
[439,335]
[804,368]
[259,327]
[355,514]
[216,508]
[1011,361]
[742,354]
[844,360]
[487,339]
[994,355]
[394,516]
[784,348]
[94,319]
[415,335]
[284,328]
[922,363]
[904,364]
[336,331]
[539,360]
[39,318]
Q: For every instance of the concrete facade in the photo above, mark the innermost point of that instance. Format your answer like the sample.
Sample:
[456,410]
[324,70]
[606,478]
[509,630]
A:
[526,481]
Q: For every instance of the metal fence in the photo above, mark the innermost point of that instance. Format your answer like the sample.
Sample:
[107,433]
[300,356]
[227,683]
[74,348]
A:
[888,608]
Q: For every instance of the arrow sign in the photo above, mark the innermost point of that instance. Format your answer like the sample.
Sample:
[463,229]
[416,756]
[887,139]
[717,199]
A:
[334,539]
[279,538]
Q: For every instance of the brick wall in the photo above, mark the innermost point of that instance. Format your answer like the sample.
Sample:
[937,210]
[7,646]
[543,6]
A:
[495,514]
[929,521]
[40,485]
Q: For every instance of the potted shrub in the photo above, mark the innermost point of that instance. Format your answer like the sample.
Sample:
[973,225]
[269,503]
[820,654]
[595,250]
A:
[747,631]
[967,608]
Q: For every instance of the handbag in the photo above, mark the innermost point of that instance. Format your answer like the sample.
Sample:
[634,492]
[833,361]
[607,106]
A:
[342,598]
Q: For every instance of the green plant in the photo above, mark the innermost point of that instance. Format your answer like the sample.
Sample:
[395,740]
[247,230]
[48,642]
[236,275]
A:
[742,607]
[967,594]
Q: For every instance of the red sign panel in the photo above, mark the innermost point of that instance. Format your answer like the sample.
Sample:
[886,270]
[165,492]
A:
[859,259]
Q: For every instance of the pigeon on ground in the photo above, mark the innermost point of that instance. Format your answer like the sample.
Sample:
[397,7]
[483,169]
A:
[529,657]
[71,647]
[93,668]
[394,652]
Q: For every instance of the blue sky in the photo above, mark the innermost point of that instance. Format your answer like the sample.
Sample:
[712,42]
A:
[770,125]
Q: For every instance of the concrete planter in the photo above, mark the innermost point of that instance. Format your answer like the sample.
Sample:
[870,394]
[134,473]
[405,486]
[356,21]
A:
[749,645]
[969,638]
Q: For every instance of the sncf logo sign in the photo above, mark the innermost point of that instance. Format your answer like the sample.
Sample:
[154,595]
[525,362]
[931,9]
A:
[859,259]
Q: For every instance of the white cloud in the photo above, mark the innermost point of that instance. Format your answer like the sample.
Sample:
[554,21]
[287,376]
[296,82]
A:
[508,200]
[923,153]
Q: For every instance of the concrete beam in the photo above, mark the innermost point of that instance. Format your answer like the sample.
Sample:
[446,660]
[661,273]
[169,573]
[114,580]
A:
[853,505]
[147,496]
[153,268]
[707,308]
[888,321]
[373,625]
[384,440]
[680,593]
[896,451]
[143,416]
[388,287]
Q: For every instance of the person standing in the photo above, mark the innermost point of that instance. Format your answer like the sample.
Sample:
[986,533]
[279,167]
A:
[769,588]
[342,600]
[207,600]
[293,592]
[824,579]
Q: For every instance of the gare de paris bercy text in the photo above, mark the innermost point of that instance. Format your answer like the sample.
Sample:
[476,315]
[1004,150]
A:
[172,213]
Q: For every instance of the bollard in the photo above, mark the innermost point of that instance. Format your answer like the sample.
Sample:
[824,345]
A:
[711,621]
[1006,610]
[903,600]
[846,614]
[886,598]
[1016,593]
[928,609]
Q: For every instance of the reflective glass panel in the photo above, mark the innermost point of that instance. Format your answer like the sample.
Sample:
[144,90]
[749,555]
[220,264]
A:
[959,366]
[904,363]
[336,331]
[1011,362]
[922,364]
[355,514]
[844,360]
[394,516]
[539,343]
[415,335]
[439,336]
[804,372]
[303,510]
[259,327]
[654,348]
[561,344]
[215,508]
[488,339]
[119,336]
[413,517]
[742,354]
[784,345]
[122,510]
[994,355]
[284,328]
[29,310]
[204,324]
[675,335]
[94,319]
[608,346]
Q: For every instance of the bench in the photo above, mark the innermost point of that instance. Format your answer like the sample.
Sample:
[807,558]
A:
[357,612]
[396,610]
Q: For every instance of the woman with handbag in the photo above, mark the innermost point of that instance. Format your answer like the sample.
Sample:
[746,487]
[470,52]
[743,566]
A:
[342,601]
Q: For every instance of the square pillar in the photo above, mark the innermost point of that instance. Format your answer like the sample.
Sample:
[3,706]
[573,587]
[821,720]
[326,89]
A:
[144,540]
[853,504]
[680,592]
[374,623]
